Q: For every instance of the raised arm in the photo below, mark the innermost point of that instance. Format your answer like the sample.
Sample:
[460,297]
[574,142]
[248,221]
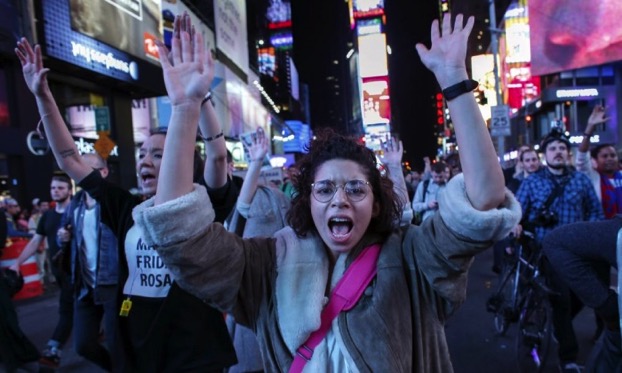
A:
[392,159]
[446,59]
[257,152]
[187,77]
[215,173]
[56,132]
[597,117]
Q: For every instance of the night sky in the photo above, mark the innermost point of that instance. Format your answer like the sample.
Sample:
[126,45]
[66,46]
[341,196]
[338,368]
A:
[320,27]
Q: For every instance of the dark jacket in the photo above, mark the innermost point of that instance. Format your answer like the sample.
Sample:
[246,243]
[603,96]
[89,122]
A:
[107,272]
[186,334]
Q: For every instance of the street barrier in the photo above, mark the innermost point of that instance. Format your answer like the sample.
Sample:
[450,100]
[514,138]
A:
[32,279]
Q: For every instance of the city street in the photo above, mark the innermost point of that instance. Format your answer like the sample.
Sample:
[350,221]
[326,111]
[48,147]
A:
[470,332]
[473,345]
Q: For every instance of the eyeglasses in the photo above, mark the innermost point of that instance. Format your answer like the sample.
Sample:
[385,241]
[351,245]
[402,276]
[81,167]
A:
[356,190]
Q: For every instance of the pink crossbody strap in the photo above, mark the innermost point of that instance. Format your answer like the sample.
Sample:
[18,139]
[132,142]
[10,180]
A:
[346,294]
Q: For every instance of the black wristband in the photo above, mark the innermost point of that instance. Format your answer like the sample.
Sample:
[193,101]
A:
[208,97]
[459,89]
[211,138]
[587,134]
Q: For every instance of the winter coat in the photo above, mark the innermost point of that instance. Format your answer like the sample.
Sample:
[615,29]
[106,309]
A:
[277,286]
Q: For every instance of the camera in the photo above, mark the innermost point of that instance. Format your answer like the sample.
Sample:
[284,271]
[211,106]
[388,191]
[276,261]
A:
[546,218]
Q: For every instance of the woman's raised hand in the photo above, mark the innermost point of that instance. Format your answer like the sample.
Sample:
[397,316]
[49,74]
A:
[188,68]
[446,57]
[35,74]
[393,152]
[258,149]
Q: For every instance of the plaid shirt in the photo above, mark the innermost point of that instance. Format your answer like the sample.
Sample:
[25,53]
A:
[577,202]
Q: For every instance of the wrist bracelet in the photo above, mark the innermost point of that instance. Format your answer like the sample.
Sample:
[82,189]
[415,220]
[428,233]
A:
[587,134]
[208,97]
[211,138]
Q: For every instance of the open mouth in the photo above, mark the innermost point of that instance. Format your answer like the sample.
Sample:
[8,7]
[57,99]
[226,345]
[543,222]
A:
[340,227]
[146,176]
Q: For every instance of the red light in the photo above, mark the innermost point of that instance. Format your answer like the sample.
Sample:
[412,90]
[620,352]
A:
[439,96]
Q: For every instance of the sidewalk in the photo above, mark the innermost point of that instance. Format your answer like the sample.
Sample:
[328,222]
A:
[37,318]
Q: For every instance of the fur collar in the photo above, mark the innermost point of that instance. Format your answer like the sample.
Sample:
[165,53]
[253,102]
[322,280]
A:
[460,216]
[302,265]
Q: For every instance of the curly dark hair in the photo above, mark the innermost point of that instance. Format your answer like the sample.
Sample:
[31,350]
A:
[329,145]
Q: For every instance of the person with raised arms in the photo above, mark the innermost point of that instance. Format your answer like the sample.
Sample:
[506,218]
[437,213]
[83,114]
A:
[341,288]
[162,328]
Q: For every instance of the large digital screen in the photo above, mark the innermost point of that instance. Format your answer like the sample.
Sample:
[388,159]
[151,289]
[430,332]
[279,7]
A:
[132,26]
[4,101]
[376,101]
[267,61]
[301,139]
[231,35]
[567,35]
[82,123]
[368,8]
[373,55]
[62,42]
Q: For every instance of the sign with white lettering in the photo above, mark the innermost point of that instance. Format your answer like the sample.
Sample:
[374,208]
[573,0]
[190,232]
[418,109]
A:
[231,39]
[500,121]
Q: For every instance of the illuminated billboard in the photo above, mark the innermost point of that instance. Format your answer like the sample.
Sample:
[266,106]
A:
[131,26]
[267,61]
[369,26]
[61,41]
[231,35]
[373,55]
[569,36]
[82,122]
[282,40]
[279,14]
[368,8]
[376,102]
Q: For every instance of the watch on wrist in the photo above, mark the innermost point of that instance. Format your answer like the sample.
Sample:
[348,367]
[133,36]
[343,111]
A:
[459,89]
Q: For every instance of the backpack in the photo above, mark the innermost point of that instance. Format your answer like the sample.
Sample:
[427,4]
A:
[418,216]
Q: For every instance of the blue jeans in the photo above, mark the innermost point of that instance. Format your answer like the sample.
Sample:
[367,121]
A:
[88,317]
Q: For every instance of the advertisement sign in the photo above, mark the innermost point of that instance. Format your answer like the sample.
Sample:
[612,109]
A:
[231,35]
[267,61]
[517,42]
[368,8]
[376,103]
[4,101]
[373,55]
[131,26]
[172,8]
[282,40]
[104,39]
[279,13]
[243,112]
[301,139]
[570,36]
[369,26]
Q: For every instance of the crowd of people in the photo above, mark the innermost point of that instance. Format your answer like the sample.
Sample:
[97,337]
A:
[352,264]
